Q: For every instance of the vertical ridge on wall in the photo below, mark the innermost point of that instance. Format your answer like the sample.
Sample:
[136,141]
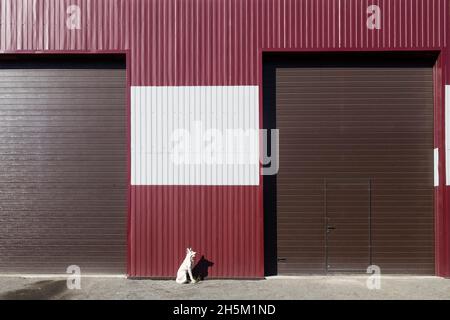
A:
[165,35]
[212,220]
[404,24]
[443,265]
[209,43]
[168,120]
[206,189]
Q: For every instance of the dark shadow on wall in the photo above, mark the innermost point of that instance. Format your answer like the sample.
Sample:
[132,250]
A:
[200,270]
[269,181]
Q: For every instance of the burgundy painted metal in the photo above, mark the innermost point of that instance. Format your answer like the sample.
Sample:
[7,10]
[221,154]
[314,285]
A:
[215,42]
[219,42]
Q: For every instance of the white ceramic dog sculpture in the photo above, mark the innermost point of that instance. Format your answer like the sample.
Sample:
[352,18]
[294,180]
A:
[186,268]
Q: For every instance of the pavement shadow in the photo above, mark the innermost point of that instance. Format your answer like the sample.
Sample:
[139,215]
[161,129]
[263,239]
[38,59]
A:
[40,290]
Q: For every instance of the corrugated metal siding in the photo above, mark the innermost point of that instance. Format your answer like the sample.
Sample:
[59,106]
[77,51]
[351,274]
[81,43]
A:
[212,208]
[216,42]
[173,131]
[222,223]
[210,42]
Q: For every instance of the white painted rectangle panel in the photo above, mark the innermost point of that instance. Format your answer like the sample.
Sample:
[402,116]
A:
[195,135]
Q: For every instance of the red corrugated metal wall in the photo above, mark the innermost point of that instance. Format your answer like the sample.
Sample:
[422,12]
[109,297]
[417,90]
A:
[215,42]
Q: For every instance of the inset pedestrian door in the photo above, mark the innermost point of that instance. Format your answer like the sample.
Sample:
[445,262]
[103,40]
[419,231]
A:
[347,220]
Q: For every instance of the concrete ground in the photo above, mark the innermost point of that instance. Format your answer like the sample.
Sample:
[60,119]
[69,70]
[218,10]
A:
[308,287]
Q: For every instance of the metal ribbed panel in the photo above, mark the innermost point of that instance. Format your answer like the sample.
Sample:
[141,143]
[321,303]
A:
[210,42]
[174,127]
[222,223]
[206,42]
[175,205]
[404,24]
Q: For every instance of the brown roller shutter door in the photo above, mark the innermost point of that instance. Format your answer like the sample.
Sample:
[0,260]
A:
[63,172]
[355,185]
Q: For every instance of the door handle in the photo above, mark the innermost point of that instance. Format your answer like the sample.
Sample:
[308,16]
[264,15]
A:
[330,228]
